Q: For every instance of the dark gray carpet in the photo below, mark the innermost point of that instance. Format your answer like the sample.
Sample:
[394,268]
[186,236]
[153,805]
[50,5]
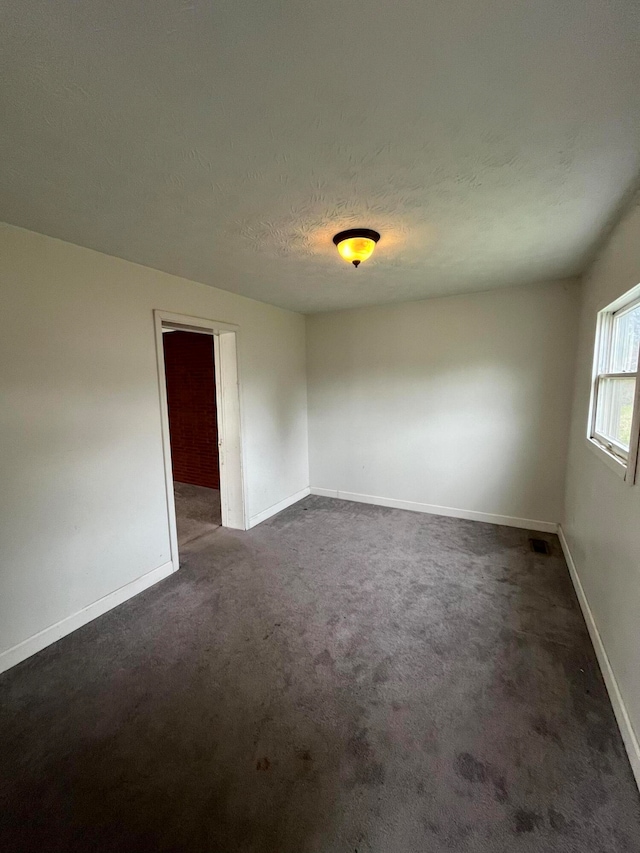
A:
[341,678]
[197,511]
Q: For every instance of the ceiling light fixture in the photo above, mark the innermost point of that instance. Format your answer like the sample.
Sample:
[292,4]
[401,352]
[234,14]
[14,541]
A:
[356,244]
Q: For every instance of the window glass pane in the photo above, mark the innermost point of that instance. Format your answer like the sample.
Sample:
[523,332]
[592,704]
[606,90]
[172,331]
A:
[626,342]
[615,408]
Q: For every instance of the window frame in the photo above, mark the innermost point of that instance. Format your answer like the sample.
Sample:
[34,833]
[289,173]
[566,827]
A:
[621,460]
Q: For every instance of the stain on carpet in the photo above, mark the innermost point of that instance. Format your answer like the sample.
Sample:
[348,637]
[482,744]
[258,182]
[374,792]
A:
[340,678]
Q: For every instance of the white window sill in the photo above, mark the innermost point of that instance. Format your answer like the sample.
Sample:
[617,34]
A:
[616,465]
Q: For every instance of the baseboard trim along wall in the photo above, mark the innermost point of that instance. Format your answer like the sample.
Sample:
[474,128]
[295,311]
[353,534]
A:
[276,508]
[433,509]
[619,708]
[49,635]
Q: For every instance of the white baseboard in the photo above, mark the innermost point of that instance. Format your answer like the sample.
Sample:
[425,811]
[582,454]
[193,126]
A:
[49,635]
[619,708]
[276,508]
[433,509]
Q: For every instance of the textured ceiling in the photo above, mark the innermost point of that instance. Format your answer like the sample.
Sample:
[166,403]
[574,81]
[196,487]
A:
[489,141]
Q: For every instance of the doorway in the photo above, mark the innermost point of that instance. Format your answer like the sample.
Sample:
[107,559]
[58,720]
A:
[201,428]
[193,432]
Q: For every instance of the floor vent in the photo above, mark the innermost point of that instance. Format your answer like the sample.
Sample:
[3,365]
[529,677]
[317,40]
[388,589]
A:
[540,546]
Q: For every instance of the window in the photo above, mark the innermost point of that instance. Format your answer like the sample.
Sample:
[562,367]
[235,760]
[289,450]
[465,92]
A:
[615,411]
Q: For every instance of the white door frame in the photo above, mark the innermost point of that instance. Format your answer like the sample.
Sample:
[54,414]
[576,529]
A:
[232,491]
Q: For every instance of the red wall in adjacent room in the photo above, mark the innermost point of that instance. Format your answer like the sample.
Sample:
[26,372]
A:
[191,397]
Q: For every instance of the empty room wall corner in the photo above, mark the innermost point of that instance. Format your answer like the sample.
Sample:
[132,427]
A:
[21,651]
[84,516]
[620,709]
[456,405]
[601,525]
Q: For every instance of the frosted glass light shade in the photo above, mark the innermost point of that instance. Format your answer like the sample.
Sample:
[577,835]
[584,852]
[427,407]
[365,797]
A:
[356,245]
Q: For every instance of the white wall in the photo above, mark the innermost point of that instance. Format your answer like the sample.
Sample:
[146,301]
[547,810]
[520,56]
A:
[83,509]
[602,523]
[460,402]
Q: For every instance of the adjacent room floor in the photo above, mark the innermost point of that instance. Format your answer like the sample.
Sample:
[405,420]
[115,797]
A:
[341,679]
[197,511]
